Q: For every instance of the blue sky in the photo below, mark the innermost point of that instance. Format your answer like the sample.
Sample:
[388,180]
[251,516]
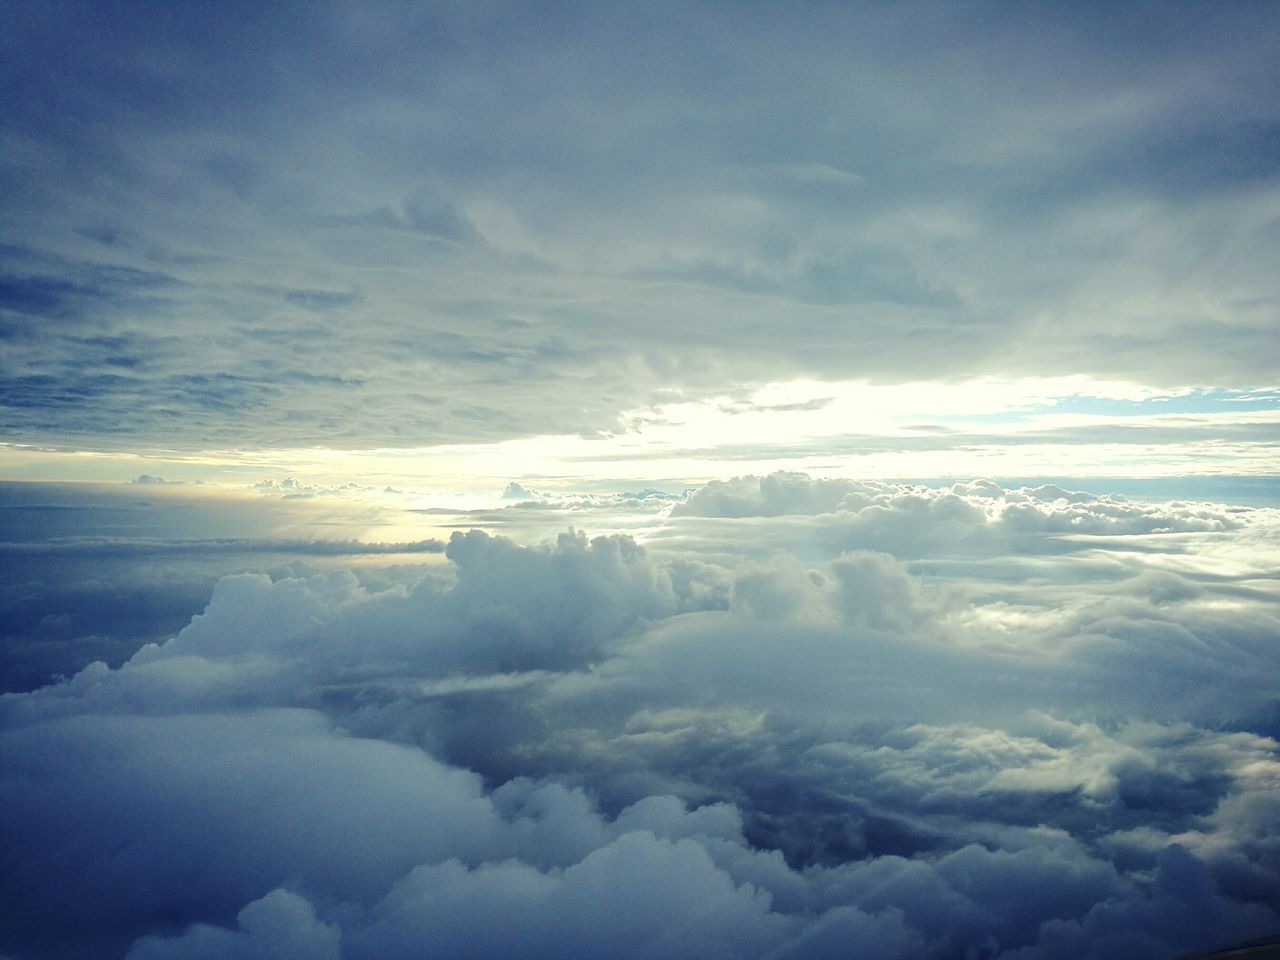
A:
[526,480]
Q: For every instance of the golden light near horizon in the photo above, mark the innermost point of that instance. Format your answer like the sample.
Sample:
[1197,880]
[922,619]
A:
[980,427]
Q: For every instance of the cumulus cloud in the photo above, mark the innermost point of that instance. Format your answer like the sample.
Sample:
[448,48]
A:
[769,496]
[693,747]
[279,924]
[963,519]
[506,608]
[638,896]
[93,572]
[518,491]
[1047,508]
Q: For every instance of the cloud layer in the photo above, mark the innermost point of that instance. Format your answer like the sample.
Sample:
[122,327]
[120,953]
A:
[1052,737]
[407,227]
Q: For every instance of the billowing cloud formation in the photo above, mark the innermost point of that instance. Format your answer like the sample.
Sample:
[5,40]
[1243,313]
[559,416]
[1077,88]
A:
[1031,748]
[917,521]
[279,924]
[91,572]
[1043,509]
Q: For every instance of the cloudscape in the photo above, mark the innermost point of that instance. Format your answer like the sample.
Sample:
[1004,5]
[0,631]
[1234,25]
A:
[552,480]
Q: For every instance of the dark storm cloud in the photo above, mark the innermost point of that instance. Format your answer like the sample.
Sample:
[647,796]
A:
[567,210]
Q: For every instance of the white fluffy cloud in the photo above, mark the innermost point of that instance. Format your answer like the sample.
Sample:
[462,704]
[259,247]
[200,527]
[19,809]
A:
[915,520]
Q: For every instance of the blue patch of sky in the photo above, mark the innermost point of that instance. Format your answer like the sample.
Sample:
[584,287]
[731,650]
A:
[1193,402]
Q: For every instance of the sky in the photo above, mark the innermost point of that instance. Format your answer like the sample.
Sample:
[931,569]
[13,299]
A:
[639,480]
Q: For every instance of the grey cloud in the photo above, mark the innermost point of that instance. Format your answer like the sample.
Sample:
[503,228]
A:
[279,923]
[322,299]
[937,437]
[506,608]
[70,289]
[639,896]
[876,592]
[59,613]
[590,746]
[830,199]
[293,791]
[95,572]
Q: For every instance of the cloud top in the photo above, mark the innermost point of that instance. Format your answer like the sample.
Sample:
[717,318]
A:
[753,736]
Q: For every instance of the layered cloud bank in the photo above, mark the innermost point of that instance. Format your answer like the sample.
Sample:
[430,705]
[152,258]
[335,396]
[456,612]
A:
[413,225]
[807,718]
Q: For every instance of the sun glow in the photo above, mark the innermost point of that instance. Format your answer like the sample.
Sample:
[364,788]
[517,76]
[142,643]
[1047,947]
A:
[979,427]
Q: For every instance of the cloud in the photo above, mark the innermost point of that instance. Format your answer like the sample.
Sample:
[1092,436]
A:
[216,810]
[640,895]
[739,739]
[770,496]
[518,491]
[507,608]
[782,716]
[964,519]
[95,572]
[842,209]
[219,806]
[279,924]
